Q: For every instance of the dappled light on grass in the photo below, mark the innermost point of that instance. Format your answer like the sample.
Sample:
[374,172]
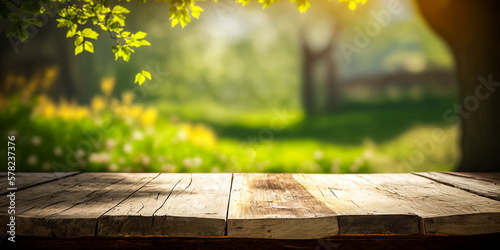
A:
[114,134]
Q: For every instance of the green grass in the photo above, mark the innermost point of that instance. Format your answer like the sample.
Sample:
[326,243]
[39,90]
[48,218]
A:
[362,137]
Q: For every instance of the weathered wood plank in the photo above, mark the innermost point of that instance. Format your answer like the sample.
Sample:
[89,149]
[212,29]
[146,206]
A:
[74,210]
[361,208]
[491,177]
[276,206]
[173,204]
[25,180]
[481,187]
[442,208]
[28,198]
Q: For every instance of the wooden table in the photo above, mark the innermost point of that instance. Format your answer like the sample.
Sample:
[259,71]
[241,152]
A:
[259,206]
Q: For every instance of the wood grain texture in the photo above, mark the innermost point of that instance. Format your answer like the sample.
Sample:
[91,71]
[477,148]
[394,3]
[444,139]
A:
[492,177]
[265,206]
[361,208]
[175,205]
[73,211]
[490,189]
[24,180]
[276,206]
[29,198]
[437,205]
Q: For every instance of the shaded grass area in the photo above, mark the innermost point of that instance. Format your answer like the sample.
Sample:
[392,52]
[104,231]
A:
[355,122]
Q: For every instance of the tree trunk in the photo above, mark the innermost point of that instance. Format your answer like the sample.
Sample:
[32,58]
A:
[332,88]
[308,61]
[331,83]
[472,32]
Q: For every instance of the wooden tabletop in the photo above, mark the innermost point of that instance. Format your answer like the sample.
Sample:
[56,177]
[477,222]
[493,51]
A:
[273,206]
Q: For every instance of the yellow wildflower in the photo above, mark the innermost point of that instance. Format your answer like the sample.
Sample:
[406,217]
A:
[203,136]
[127,98]
[97,104]
[50,74]
[107,85]
[148,118]
[135,112]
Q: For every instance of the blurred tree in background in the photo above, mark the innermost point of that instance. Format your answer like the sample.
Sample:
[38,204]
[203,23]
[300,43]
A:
[227,94]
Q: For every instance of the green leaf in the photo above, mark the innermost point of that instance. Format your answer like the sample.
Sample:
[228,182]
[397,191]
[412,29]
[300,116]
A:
[72,31]
[23,34]
[14,17]
[195,11]
[139,78]
[120,9]
[89,46]
[12,30]
[78,40]
[175,21]
[140,35]
[63,22]
[144,43]
[35,22]
[78,49]
[147,74]
[89,33]
[303,5]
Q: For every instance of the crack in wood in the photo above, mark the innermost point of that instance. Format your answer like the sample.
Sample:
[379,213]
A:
[100,216]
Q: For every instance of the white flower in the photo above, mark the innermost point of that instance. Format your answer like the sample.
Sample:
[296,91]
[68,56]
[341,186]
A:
[110,144]
[36,140]
[145,160]
[46,166]
[160,158]
[32,159]
[197,161]
[168,168]
[99,158]
[318,155]
[58,151]
[187,162]
[194,162]
[137,135]
[127,148]
[335,168]
[80,152]
[113,167]
[182,135]
[367,154]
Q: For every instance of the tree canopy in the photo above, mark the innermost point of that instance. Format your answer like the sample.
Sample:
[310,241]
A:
[82,18]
